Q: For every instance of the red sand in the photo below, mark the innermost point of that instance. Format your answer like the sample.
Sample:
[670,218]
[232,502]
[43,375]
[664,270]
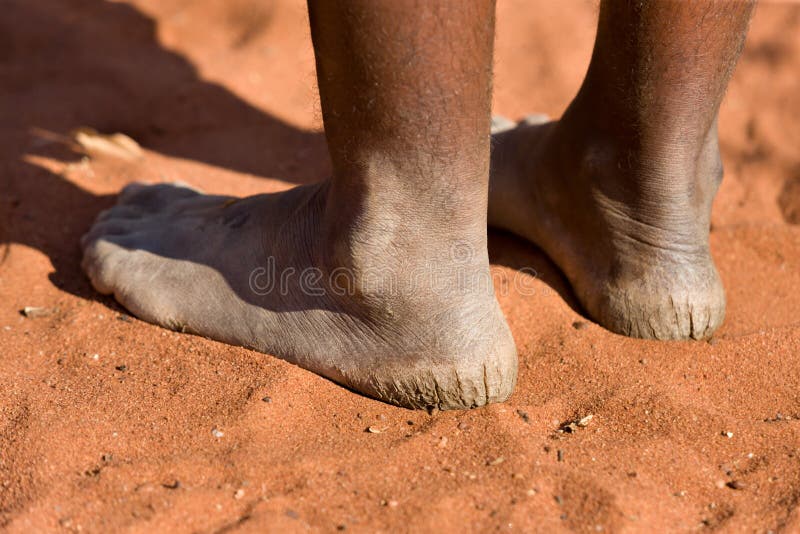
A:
[221,96]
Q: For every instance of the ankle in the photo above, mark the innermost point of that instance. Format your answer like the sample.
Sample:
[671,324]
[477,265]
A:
[642,141]
[396,212]
[643,159]
[434,186]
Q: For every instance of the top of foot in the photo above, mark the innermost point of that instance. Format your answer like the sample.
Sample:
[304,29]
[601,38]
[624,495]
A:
[254,272]
[632,242]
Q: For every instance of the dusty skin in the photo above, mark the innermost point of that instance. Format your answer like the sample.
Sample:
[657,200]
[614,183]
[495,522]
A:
[413,338]
[635,278]
[165,431]
[407,198]
[622,206]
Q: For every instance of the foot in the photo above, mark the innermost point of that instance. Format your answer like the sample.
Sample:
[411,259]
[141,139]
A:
[630,231]
[347,300]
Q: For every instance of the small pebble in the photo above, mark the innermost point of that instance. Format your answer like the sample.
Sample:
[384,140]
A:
[584,421]
[727,434]
[560,455]
[122,368]
[239,494]
[497,461]
[735,484]
[463,425]
[579,325]
[217,433]
[524,416]
[266,399]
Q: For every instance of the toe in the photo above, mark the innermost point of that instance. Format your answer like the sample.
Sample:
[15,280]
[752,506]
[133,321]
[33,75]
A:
[156,197]
[120,211]
[100,256]
[108,228]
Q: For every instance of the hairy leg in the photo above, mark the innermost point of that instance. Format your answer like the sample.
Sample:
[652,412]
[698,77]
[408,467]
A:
[619,191]
[378,278]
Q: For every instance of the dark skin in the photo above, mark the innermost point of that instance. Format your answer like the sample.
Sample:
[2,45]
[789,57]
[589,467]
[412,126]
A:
[618,192]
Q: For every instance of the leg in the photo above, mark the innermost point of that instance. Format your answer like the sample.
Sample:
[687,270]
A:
[360,278]
[619,191]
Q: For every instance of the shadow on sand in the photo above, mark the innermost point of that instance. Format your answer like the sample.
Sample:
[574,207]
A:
[70,63]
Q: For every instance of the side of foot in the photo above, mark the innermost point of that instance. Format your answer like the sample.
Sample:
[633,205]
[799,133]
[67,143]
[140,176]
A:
[630,231]
[266,272]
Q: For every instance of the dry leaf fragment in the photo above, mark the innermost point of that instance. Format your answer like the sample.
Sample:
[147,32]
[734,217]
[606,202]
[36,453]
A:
[37,311]
[116,145]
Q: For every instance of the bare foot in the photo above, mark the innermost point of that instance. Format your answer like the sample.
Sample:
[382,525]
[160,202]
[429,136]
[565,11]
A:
[632,238]
[416,326]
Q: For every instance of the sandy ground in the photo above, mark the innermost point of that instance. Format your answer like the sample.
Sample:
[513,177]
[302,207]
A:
[108,423]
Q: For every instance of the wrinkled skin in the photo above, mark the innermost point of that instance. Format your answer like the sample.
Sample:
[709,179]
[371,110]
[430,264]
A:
[618,192]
